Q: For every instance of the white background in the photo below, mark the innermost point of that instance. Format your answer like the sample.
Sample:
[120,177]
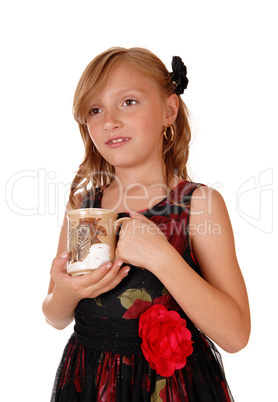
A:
[230,48]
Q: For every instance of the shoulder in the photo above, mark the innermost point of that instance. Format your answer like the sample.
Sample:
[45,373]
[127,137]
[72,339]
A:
[202,200]
[206,200]
[209,219]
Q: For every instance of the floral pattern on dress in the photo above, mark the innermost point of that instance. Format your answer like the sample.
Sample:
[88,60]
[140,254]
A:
[174,227]
[138,301]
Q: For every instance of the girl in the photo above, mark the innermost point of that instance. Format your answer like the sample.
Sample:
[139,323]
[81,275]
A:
[145,325]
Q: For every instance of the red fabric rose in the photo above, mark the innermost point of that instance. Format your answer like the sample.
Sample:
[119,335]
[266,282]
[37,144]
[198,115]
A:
[166,342]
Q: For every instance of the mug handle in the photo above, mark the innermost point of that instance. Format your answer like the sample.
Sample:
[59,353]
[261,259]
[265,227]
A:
[118,223]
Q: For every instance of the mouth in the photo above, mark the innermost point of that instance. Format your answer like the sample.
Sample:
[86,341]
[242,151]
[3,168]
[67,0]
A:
[113,142]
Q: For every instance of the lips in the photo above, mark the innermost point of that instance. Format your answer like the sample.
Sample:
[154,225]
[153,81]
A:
[117,141]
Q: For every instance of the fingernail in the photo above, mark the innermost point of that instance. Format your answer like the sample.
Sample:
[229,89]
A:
[127,271]
[65,254]
[108,266]
[120,263]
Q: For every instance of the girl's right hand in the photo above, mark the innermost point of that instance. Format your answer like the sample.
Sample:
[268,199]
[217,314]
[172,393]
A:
[75,288]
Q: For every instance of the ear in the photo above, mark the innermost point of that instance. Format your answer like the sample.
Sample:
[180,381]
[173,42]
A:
[172,108]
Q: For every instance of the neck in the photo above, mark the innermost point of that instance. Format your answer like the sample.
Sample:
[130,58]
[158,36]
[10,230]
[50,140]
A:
[144,176]
[137,189]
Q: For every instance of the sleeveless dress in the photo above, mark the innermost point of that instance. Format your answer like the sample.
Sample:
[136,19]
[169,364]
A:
[103,359]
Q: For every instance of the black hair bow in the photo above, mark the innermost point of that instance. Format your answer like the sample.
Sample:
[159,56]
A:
[178,75]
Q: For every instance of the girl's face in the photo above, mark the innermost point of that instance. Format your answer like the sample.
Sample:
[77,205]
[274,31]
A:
[126,119]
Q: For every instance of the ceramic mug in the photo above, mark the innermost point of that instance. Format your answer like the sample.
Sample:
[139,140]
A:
[91,238]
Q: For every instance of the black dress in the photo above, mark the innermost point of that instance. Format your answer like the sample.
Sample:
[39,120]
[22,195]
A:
[103,360]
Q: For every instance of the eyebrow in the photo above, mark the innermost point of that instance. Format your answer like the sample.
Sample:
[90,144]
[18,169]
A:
[131,90]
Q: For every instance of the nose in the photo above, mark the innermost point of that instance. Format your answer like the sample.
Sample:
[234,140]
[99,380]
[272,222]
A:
[111,121]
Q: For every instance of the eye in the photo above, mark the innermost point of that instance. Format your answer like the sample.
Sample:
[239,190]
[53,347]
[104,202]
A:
[95,111]
[130,102]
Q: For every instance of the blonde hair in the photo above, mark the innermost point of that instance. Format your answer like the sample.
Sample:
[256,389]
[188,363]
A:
[95,171]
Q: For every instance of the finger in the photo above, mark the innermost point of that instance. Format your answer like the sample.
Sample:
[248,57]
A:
[113,271]
[136,215]
[94,276]
[102,275]
[120,275]
[105,285]
[62,259]
[59,262]
[111,274]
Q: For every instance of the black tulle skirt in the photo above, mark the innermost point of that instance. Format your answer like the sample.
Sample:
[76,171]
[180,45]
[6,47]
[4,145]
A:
[96,369]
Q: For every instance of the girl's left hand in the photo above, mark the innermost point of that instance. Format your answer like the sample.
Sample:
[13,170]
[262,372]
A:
[140,241]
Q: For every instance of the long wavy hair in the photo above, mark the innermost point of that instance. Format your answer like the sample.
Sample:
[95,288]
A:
[95,171]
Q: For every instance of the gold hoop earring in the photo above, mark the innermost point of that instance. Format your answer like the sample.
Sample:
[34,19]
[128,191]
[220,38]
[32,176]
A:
[172,133]
[165,133]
